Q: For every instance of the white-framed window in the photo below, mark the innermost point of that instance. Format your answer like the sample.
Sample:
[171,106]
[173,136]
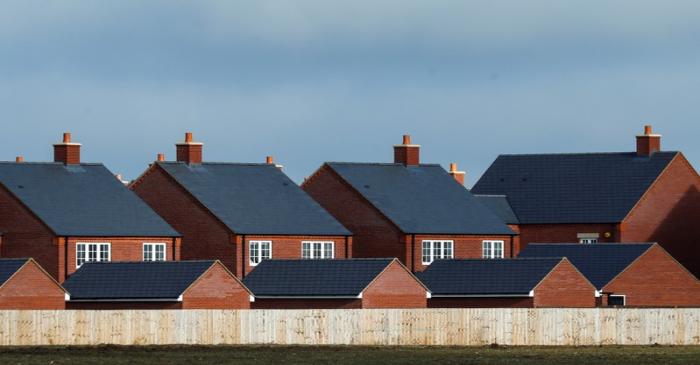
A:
[89,252]
[492,249]
[154,251]
[436,249]
[317,250]
[259,250]
[616,300]
[587,238]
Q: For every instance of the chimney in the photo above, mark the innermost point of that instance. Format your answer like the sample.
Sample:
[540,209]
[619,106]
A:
[160,157]
[67,152]
[189,152]
[407,153]
[19,159]
[648,143]
[271,161]
[458,175]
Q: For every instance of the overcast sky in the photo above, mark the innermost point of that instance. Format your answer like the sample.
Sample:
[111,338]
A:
[314,81]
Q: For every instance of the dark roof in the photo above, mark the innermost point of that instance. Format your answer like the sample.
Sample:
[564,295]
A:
[314,277]
[599,262]
[254,198]
[164,280]
[486,277]
[9,267]
[499,205]
[420,199]
[81,200]
[572,188]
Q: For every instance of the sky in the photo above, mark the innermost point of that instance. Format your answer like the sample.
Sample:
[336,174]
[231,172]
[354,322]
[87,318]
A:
[310,81]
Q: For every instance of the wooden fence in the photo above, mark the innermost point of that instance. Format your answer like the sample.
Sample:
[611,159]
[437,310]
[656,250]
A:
[599,326]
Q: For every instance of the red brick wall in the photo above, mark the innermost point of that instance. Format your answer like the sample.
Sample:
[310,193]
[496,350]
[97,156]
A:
[31,288]
[122,248]
[25,236]
[655,279]
[395,288]
[216,289]
[306,304]
[669,214]
[565,233]
[516,239]
[515,302]
[565,287]
[465,247]
[203,235]
[289,247]
[373,234]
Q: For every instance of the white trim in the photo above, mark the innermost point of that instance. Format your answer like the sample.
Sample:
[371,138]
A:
[624,298]
[532,294]
[597,293]
[66,296]
[492,249]
[251,298]
[428,294]
[154,244]
[359,296]
[588,235]
[250,258]
[86,244]
[432,254]
[323,250]
[179,298]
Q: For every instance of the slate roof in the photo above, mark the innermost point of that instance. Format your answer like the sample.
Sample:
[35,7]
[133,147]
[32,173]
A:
[304,278]
[254,198]
[572,188]
[420,199]
[81,200]
[9,267]
[163,280]
[498,204]
[484,277]
[599,262]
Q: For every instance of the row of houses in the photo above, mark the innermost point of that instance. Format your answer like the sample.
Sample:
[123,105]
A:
[67,214]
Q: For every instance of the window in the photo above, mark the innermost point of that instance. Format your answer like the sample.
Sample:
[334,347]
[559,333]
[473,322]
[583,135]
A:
[260,250]
[154,252]
[587,238]
[88,252]
[492,249]
[616,300]
[434,250]
[317,250]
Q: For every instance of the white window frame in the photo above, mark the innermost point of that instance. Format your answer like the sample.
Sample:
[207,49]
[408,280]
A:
[624,299]
[588,238]
[321,252]
[437,250]
[153,246]
[86,250]
[258,251]
[489,251]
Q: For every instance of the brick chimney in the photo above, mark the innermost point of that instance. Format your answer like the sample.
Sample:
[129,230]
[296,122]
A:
[458,175]
[407,153]
[271,161]
[648,143]
[67,152]
[189,152]
[19,159]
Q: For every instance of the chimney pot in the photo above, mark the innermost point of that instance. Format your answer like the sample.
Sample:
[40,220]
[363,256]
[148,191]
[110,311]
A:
[406,139]
[160,157]
[19,159]
[66,137]
[453,167]
[457,175]
[269,160]
[647,130]
[188,137]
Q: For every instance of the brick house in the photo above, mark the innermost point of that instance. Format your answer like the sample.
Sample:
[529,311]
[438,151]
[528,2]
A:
[644,196]
[416,212]
[637,275]
[65,213]
[527,283]
[156,285]
[25,285]
[239,213]
[351,283]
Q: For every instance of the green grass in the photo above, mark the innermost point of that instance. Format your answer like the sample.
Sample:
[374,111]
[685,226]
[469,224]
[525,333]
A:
[339,355]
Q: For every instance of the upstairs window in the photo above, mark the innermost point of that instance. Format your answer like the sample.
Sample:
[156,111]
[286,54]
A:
[154,252]
[92,252]
[588,238]
[436,250]
[317,250]
[616,300]
[492,249]
[260,250]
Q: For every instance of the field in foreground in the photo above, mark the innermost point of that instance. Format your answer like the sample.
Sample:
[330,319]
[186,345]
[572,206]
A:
[338,355]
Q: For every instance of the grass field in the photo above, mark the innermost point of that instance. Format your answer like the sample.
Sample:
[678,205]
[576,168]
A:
[338,355]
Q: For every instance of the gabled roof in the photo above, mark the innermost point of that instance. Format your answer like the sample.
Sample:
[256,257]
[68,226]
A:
[572,188]
[81,200]
[163,280]
[420,199]
[314,278]
[498,204]
[254,198]
[9,267]
[599,262]
[486,277]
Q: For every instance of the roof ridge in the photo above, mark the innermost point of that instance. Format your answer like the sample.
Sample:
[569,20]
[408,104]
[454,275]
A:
[379,163]
[217,163]
[580,153]
[50,163]
[589,245]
